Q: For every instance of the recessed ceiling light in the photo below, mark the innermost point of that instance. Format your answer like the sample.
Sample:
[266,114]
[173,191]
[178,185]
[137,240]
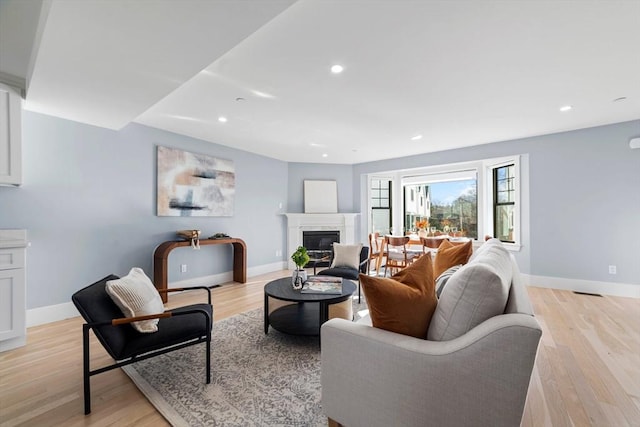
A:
[566,108]
[222,119]
[622,98]
[417,137]
[240,99]
[337,69]
[325,155]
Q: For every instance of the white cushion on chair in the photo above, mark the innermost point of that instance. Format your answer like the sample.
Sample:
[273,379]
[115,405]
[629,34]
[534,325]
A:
[135,295]
[346,256]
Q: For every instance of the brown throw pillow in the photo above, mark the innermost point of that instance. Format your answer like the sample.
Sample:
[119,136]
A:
[449,255]
[405,302]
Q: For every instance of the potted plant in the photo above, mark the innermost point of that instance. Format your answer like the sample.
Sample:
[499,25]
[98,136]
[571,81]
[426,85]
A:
[300,258]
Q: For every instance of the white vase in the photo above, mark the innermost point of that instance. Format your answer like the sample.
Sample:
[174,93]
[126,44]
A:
[298,278]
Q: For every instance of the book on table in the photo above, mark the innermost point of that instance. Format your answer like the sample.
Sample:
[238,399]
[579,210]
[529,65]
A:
[322,285]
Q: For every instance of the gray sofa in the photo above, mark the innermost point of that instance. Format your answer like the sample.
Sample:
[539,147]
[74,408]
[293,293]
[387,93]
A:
[373,377]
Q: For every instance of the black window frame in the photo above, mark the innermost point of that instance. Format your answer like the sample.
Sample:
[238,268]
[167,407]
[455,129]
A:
[496,203]
[388,198]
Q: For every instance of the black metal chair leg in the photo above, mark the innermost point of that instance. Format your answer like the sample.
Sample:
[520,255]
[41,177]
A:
[85,368]
[208,346]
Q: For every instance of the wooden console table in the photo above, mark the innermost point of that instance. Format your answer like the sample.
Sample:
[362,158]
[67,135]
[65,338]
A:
[161,256]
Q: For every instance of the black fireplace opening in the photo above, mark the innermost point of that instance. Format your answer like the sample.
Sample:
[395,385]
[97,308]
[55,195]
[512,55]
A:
[319,245]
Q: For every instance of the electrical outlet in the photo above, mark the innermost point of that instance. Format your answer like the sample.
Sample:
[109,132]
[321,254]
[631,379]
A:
[183,268]
[278,252]
[612,269]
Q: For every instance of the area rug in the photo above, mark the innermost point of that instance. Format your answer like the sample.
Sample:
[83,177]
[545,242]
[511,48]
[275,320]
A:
[256,379]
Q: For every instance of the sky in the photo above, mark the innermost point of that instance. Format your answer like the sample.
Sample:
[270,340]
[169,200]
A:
[447,192]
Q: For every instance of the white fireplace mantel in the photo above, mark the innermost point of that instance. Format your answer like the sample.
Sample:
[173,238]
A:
[345,223]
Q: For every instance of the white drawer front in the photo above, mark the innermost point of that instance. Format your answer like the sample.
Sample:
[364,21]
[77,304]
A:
[11,258]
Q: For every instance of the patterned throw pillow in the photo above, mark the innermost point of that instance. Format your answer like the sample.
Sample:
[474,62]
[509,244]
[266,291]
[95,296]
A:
[136,296]
[441,281]
[405,302]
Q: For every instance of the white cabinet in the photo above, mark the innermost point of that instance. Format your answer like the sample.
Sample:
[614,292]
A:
[10,136]
[13,332]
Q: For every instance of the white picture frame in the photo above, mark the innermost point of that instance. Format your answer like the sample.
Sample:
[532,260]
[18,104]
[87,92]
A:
[320,196]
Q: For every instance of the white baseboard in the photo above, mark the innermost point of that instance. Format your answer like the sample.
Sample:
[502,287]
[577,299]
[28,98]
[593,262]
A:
[12,343]
[53,313]
[227,276]
[589,286]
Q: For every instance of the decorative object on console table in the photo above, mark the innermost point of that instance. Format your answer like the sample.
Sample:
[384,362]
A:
[192,235]
[191,184]
[300,258]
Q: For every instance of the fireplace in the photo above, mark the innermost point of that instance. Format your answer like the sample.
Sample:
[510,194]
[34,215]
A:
[319,245]
[344,224]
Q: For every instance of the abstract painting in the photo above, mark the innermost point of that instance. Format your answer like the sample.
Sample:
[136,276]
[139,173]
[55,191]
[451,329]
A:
[191,184]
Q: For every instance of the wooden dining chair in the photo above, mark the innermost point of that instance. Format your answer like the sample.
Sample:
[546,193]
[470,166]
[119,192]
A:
[377,254]
[398,257]
[431,242]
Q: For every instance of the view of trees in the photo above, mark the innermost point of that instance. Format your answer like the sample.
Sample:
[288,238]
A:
[461,213]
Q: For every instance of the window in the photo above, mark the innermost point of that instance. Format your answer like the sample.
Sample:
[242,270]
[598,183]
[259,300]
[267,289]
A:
[381,205]
[478,198]
[504,201]
[448,201]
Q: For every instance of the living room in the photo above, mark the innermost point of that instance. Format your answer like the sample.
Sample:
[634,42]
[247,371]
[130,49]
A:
[88,194]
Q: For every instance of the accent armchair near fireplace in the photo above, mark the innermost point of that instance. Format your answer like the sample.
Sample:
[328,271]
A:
[350,272]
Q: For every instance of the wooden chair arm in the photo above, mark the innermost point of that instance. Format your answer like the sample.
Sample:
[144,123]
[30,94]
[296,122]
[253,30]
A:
[125,320]
[206,288]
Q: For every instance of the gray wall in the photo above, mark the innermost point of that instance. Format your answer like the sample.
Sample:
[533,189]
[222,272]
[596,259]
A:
[342,174]
[88,203]
[584,197]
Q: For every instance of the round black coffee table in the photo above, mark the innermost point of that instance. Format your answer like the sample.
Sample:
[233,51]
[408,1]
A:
[308,313]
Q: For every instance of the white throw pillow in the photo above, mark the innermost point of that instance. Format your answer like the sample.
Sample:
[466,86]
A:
[135,295]
[346,256]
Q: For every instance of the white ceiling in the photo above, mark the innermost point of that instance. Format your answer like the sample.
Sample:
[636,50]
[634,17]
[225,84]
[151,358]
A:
[459,73]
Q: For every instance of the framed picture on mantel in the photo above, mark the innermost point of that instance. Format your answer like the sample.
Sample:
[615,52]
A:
[320,196]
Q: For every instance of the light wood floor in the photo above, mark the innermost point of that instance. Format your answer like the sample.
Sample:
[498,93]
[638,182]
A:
[587,371]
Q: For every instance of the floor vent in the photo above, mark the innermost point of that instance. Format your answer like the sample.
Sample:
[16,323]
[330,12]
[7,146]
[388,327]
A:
[587,293]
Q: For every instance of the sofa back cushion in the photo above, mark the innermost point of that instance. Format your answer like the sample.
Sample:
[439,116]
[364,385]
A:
[476,292]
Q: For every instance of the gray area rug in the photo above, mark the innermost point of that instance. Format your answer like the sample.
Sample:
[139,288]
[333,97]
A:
[256,379]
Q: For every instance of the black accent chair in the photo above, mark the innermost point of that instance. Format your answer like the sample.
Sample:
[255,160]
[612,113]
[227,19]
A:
[177,328]
[350,273]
